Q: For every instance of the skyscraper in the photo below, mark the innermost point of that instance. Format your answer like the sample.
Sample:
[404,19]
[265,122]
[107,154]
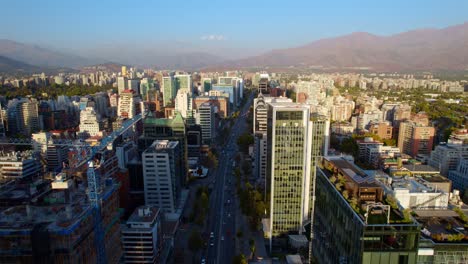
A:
[169,89]
[161,174]
[129,104]
[122,84]
[289,141]
[206,119]
[183,81]
[260,128]
[124,70]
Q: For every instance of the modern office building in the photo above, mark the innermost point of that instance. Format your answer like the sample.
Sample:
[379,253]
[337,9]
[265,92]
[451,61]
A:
[447,156]
[183,81]
[260,117]
[122,84]
[206,84]
[352,222]
[415,139]
[260,129]
[134,84]
[207,121]
[142,236]
[289,159]
[220,103]
[23,117]
[229,89]
[263,86]
[194,141]
[162,162]
[459,177]
[165,129]
[169,90]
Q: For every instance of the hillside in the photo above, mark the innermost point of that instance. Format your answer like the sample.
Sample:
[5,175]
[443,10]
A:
[425,49]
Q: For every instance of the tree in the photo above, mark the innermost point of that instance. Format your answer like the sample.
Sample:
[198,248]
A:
[204,200]
[349,145]
[239,259]
[391,200]
[244,141]
[252,248]
[195,242]
[346,194]
[407,215]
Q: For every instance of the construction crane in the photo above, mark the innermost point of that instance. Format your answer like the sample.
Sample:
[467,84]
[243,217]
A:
[86,154]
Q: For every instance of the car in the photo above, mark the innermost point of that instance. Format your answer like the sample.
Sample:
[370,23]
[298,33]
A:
[222,238]
[211,235]
[203,261]
[211,243]
[229,214]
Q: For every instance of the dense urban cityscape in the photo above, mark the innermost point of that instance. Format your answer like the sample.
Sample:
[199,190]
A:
[179,167]
[240,132]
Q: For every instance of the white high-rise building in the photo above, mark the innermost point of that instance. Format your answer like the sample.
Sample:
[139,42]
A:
[90,123]
[161,174]
[142,236]
[206,119]
[182,102]
[122,84]
[129,104]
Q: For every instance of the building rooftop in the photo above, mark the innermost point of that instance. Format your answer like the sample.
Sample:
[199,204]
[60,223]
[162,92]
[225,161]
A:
[350,170]
[420,168]
[161,144]
[442,226]
[144,214]
[16,155]
[177,120]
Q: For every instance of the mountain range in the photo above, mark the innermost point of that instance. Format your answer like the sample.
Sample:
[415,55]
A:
[416,50]
[11,66]
[422,49]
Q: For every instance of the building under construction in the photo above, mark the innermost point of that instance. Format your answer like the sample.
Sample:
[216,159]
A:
[58,223]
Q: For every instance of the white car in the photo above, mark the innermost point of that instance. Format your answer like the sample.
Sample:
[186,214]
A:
[222,238]
[211,235]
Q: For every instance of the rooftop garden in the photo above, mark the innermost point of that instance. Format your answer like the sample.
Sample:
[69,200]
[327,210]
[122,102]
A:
[366,200]
[446,229]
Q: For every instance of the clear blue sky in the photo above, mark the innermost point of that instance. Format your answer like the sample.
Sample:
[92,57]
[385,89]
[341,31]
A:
[253,25]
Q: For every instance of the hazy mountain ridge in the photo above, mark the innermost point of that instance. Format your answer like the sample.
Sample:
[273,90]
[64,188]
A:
[11,66]
[36,55]
[420,49]
[423,49]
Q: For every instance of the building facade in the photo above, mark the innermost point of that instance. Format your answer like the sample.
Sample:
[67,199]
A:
[161,174]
